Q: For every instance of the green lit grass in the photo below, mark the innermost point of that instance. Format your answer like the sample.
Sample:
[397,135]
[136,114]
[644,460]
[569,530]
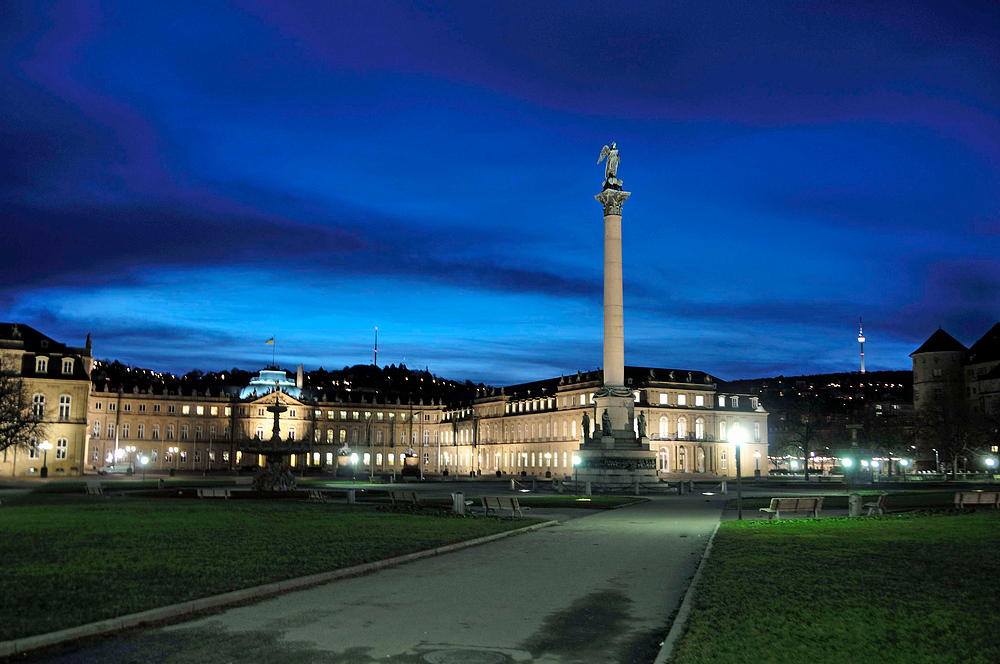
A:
[907,589]
[72,560]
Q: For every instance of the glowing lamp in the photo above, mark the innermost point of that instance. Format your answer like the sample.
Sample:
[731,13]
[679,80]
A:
[576,460]
[904,462]
[847,463]
[354,457]
[991,462]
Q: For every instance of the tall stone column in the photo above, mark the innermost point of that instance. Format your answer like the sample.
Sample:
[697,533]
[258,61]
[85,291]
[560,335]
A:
[614,319]
[614,397]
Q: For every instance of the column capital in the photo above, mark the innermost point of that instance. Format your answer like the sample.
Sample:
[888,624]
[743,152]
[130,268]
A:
[612,200]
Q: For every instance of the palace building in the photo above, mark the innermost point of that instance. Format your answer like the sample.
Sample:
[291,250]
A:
[532,428]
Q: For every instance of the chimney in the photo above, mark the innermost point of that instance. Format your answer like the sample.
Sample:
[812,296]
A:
[298,377]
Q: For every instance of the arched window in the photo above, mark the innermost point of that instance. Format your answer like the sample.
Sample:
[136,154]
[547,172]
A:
[664,458]
[97,428]
[722,431]
[699,428]
[64,401]
[427,438]
[548,429]
[682,428]
[291,433]
[572,426]
[663,428]
[260,431]
[756,432]
[38,405]
[565,429]
[533,431]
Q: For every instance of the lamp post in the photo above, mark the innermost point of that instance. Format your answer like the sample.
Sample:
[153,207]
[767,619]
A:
[991,462]
[45,446]
[173,453]
[737,437]
[130,449]
[937,461]
[142,462]
[576,462]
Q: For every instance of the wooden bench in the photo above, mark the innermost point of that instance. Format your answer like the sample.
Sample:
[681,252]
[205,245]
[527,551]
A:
[969,498]
[317,496]
[95,489]
[878,505]
[404,497]
[214,493]
[497,503]
[779,505]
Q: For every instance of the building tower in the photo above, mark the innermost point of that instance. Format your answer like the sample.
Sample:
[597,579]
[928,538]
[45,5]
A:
[861,340]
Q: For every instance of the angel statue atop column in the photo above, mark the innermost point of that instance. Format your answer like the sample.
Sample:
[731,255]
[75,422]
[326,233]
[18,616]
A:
[611,167]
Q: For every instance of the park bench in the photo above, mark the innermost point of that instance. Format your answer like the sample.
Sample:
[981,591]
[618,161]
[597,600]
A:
[779,505]
[404,497]
[317,496]
[94,489]
[213,493]
[497,503]
[968,498]
[877,505]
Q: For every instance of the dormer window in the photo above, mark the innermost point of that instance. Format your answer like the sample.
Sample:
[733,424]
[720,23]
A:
[41,364]
[67,366]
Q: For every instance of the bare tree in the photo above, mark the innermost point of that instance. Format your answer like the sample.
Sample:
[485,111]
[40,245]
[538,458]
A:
[801,426]
[20,424]
[952,426]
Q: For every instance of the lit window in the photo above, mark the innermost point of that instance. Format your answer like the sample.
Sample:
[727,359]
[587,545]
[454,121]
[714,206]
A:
[343,414]
[635,395]
[185,410]
[663,428]
[291,433]
[199,410]
[356,415]
[681,428]
[699,400]
[722,431]
[756,432]
[260,431]
[214,410]
[67,366]
[722,401]
[663,399]
[97,429]
[329,414]
[682,399]
[699,429]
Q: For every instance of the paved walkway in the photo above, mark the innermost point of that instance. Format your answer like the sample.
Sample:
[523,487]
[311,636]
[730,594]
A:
[595,589]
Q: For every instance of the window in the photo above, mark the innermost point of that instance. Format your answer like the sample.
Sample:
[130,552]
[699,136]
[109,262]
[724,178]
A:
[722,431]
[225,432]
[343,414]
[98,405]
[699,400]
[291,412]
[754,403]
[199,410]
[184,432]
[33,449]
[663,428]
[427,438]
[197,432]
[380,416]
[214,410]
[95,454]
[723,461]
[227,411]
[171,408]
[38,405]
[291,433]
[722,401]
[97,429]
[41,364]
[260,431]
[329,436]
[111,429]
[212,433]
[681,428]
[734,402]
[61,445]
[356,415]
[112,407]
[573,428]
[756,432]
[142,408]
[329,414]
[354,436]
[125,430]
[170,432]
[197,455]
[156,407]
[635,396]
[682,399]
[260,412]
[699,429]
[343,436]
[67,367]
[156,432]
[185,410]
[184,457]
[663,399]
[140,431]
[127,407]
[937,373]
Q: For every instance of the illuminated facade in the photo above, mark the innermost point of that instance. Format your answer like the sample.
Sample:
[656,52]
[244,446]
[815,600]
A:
[57,378]
[532,428]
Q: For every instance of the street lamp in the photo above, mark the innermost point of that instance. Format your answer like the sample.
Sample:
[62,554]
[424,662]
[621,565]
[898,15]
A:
[142,462]
[737,437]
[576,462]
[937,461]
[173,453]
[46,446]
[991,462]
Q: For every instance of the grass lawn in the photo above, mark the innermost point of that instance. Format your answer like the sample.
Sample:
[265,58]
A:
[898,589]
[69,560]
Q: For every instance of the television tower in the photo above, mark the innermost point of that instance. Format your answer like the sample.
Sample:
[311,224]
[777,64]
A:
[861,340]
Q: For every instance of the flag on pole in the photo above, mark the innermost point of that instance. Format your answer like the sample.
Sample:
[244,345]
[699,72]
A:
[269,341]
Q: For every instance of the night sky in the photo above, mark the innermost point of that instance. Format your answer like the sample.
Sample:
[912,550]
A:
[186,179]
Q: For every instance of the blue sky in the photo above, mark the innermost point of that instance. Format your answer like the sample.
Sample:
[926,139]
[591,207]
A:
[186,179]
